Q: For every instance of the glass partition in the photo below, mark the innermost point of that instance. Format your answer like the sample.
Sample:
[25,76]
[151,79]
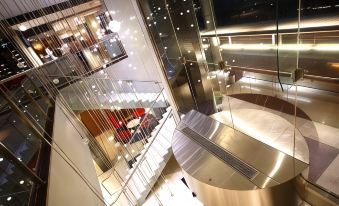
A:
[272,62]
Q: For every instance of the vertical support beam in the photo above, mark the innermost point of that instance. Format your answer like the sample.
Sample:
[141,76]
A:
[12,158]
[22,116]
[156,58]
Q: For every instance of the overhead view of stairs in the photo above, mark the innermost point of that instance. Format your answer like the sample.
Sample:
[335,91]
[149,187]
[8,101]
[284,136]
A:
[148,166]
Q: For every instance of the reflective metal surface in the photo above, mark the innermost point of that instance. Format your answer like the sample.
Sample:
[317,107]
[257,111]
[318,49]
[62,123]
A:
[218,183]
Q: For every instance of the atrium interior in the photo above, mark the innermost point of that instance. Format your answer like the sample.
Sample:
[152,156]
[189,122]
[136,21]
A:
[169,102]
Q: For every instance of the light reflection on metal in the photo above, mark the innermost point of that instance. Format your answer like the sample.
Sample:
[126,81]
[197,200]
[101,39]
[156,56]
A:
[277,166]
[216,182]
[282,47]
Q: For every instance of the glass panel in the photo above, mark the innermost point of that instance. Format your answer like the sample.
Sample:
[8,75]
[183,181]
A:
[15,186]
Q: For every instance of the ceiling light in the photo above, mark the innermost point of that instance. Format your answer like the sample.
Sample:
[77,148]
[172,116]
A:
[22,28]
[114,26]
[56,81]
[21,182]
[94,24]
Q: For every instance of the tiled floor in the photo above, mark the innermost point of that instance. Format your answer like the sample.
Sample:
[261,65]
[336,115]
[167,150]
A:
[330,178]
[267,125]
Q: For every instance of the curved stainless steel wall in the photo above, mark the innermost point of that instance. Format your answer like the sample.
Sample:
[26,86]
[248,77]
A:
[226,167]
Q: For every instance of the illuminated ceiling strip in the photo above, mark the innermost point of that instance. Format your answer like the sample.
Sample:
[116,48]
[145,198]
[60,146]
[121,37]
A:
[282,47]
[270,26]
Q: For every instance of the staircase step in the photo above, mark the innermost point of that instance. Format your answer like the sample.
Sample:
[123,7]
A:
[166,133]
[158,147]
[151,160]
[144,169]
[150,163]
[161,140]
[154,153]
[135,188]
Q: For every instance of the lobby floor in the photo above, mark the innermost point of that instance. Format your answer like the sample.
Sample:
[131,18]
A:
[316,143]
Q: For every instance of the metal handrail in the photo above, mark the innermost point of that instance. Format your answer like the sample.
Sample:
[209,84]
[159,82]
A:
[53,61]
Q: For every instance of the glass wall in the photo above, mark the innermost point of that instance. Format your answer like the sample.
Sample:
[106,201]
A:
[270,66]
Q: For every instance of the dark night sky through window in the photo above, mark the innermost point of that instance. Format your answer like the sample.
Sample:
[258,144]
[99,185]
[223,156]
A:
[230,12]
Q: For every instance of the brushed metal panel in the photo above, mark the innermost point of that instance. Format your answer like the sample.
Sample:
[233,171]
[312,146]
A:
[199,163]
[222,154]
[217,183]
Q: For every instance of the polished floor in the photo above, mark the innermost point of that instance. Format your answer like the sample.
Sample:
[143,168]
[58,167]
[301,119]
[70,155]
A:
[316,143]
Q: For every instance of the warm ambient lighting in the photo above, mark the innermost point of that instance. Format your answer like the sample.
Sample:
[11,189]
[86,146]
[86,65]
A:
[334,64]
[37,45]
[22,28]
[94,24]
[110,138]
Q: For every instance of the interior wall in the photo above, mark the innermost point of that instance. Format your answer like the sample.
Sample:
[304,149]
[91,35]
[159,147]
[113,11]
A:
[18,8]
[140,64]
[65,186]
[107,146]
